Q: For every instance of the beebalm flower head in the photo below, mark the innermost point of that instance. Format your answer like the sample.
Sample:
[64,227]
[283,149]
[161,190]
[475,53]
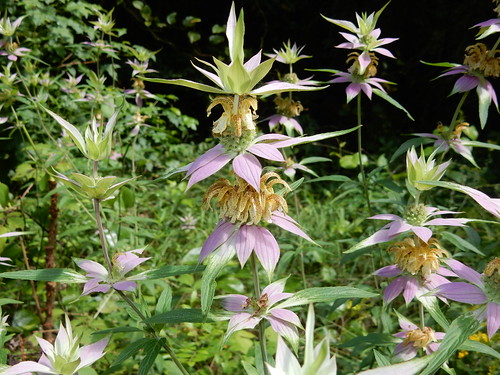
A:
[419,169]
[415,338]
[364,37]
[242,209]
[289,54]
[100,280]
[482,290]
[360,76]
[237,120]
[96,143]
[98,188]
[446,139]
[317,360]
[479,64]
[251,310]
[64,357]
[239,77]
[416,256]
[8,28]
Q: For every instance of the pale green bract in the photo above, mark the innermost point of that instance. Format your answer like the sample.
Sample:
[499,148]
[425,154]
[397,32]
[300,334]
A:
[239,77]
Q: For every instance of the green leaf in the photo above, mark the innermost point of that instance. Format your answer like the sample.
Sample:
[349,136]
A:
[314,159]
[178,316]
[405,146]
[441,64]
[151,349]
[335,178]
[324,294]
[131,350]
[6,301]
[458,332]
[412,367]
[187,83]
[117,330]
[461,243]
[432,306]
[4,195]
[215,263]
[392,101]
[480,144]
[168,271]
[352,161]
[60,275]
[249,369]
[472,345]
[71,129]
[381,359]
[164,302]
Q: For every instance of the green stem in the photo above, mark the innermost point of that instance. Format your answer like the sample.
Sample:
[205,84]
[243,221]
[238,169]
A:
[261,330]
[123,295]
[102,238]
[422,315]
[495,46]
[360,154]
[167,348]
[457,110]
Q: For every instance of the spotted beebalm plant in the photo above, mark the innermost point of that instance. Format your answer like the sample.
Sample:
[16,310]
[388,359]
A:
[64,357]
[249,311]
[100,279]
[317,359]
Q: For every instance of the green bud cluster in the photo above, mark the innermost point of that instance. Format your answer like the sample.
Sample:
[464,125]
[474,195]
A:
[416,214]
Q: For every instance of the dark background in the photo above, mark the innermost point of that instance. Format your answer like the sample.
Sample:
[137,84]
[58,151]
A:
[432,31]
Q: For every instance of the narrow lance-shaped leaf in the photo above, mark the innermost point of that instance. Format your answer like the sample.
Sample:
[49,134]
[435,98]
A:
[187,83]
[60,275]
[458,332]
[71,129]
[392,101]
[412,367]
[324,294]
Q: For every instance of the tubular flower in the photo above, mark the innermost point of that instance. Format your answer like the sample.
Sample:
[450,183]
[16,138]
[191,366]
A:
[286,109]
[242,203]
[65,357]
[422,262]
[250,311]
[360,76]
[484,290]
[417,256]
[446,139]
[416,338]
[479,63]
[238,117]
[242,209]
[101,281]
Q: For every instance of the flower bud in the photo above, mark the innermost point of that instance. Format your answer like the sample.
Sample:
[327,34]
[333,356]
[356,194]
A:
[418,169]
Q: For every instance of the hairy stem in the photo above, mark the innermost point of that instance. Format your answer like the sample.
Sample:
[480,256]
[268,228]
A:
[360,154]
[261,328]
[167,348]
[457,110]
[102,238]
[50,287]
[422,315]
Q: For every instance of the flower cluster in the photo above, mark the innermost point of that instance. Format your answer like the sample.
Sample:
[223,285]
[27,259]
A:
[64,357]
